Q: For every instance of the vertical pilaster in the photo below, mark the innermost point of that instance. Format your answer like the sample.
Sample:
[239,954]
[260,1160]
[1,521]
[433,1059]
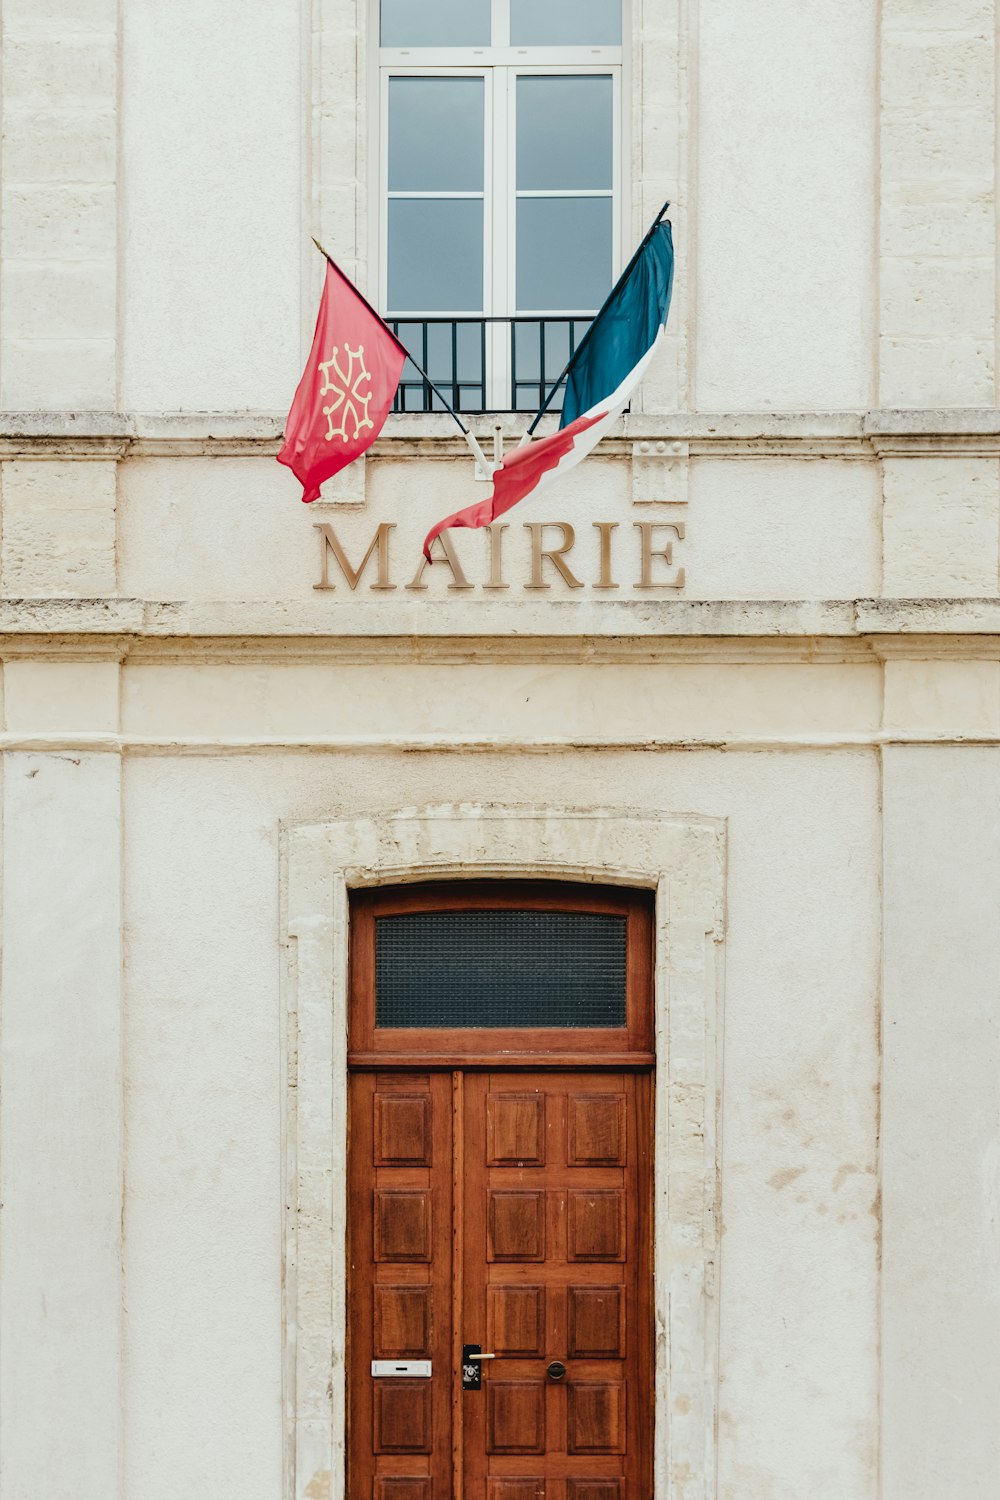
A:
[58,242]
[940,1109]
[339,187]
[656,160]
[938,204]
[61,1094]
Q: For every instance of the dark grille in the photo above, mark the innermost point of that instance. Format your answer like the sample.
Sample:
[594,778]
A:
[500,969]
[455,354]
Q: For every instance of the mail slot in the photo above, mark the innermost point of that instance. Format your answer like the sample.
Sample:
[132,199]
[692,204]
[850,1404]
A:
[418,1367]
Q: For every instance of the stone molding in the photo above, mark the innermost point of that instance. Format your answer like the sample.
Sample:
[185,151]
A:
[682,858]
[965,432]
[591,630]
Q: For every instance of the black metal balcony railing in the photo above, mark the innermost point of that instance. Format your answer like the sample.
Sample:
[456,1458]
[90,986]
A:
[485,364]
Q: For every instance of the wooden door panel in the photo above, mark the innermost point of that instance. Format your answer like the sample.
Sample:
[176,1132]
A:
[515,1130]
[515,1416]
[401,1487]
[516,1489]
[400,1258]
[593,1489]
[516,1223]
[402,1416]
[515,1322]
[596,1131]
[402,1130]
[596,1224]
[402,1322]
[595,1322]
[595,1418]
[402,1224]
[556,1267]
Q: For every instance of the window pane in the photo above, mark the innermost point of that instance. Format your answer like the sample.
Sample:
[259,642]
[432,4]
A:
[565,23]
[500,968]
[564,132]
[436,255]
[436,135]
[435,23]
[563,254]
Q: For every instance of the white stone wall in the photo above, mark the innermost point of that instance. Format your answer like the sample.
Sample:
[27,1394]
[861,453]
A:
[821,437]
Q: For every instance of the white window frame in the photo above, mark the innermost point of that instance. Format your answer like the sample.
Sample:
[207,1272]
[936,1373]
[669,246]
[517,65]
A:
[500,66]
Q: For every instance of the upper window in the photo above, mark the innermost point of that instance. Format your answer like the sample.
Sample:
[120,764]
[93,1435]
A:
[500,184]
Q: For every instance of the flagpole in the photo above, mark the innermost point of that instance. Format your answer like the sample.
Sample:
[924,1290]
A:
[478,453]
[583,342]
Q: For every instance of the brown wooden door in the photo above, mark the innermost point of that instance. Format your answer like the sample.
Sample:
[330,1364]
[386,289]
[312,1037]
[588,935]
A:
[555,1269]
[511,1210]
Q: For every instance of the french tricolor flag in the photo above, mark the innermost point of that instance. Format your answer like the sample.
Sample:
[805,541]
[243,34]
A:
[600,380]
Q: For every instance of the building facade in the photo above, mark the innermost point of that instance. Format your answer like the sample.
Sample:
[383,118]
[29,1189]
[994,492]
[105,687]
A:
[735,681]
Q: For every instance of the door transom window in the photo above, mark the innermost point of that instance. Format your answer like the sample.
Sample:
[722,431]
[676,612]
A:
[472,969]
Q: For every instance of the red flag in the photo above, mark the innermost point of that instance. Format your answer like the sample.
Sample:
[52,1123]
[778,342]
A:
[347,389]
[520,473]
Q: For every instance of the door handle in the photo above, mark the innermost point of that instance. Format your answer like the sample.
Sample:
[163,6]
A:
[472,1367]
[556,1370]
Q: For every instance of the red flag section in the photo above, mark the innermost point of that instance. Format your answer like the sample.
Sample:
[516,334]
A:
[519,474]
[347,389]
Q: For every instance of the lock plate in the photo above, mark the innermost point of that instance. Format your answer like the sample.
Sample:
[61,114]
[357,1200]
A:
[472,1369]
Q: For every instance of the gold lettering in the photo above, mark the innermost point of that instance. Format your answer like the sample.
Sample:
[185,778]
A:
[605,528]
[554,554]
[448,555]
[496,558]
[328,543]
[646,529]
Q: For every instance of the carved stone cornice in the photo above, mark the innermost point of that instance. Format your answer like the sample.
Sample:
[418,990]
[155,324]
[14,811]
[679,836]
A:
[846,434]
[634,631]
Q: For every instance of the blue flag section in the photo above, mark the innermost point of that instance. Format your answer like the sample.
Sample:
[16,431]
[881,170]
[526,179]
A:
[625,329]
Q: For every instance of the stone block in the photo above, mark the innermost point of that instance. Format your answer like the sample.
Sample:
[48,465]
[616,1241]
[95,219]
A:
[58,223]
[338,221]
[55,70]
[925,71]
[63,17]
[58,374]
[941,218]
[338,127]
[936,372]
[933,144]
[51,696]
[661,140]
[948,698]
[56,300]
[58,528]
[937,15]
[337,59]
[929,297]
[64,145]
[660,62]
[940,527]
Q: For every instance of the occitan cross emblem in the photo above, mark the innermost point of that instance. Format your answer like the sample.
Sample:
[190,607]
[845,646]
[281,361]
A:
[347,398]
